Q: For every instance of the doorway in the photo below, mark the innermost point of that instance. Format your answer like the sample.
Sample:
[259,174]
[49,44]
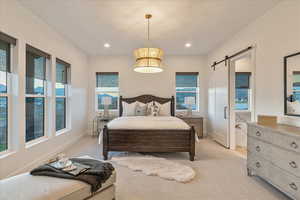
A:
[242,75]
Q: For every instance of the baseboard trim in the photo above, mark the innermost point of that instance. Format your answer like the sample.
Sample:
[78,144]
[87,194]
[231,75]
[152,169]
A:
[45,158]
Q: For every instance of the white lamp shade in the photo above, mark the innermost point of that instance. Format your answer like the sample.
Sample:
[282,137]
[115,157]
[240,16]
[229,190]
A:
[106,101]
[189,100]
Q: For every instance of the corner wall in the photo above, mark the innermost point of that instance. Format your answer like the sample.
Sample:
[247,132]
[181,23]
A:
[274,35]
[20,23]
[160,84]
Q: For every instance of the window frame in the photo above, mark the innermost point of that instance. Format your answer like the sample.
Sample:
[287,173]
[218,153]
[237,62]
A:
[66,96]
[11,42]
[47,57]
[99,91]
[197,91]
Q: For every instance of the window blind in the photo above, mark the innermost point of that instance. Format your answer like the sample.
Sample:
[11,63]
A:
[8,39]
[107,79]
[35,66]
[4,56]
[62,71]
[242,80]
[186,79]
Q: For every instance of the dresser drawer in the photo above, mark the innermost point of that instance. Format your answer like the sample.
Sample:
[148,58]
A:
[287,142]
[258,165]
[287,160]
[260,133]
[285,181]
[259,148]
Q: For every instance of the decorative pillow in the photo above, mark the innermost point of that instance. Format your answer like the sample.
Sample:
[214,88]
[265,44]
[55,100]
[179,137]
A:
[164,109]
[141,109]
[128,108]
[154,109]
[149,107]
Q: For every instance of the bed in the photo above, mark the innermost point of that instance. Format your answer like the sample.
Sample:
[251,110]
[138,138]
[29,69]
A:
[148,134]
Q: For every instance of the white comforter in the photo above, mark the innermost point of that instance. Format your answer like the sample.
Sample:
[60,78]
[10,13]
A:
[148,122]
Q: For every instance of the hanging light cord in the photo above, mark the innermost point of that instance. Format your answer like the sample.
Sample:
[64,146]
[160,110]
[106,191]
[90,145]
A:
[148,16]
[148,29]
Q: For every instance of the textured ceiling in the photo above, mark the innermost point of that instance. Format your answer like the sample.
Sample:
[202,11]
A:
[204,23]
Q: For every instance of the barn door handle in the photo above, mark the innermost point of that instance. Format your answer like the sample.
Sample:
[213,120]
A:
[225,112]
[294,145]
[293,186]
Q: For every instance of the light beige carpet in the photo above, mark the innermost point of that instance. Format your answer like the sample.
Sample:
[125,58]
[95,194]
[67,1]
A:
[220,175]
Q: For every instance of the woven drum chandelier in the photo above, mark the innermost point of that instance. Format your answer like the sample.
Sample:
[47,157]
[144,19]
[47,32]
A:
[149,59]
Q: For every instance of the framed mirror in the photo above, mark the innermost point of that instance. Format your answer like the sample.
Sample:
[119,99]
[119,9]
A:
[292,84]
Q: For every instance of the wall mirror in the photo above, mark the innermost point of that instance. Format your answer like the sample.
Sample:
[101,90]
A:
[292,84]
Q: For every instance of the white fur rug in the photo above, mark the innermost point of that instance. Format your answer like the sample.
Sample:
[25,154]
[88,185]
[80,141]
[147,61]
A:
[154,166]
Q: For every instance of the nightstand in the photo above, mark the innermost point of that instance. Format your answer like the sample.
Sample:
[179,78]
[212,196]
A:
[195,121]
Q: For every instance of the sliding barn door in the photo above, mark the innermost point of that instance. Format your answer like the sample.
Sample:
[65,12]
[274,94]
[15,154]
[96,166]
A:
[221,111]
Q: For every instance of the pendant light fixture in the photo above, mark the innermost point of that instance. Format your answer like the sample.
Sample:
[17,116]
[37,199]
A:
[149,59]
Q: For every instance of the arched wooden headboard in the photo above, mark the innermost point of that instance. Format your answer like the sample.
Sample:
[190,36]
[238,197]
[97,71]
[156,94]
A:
[146,98]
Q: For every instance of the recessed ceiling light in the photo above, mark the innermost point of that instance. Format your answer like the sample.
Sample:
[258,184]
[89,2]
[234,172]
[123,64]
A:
[188,44]
[106,45]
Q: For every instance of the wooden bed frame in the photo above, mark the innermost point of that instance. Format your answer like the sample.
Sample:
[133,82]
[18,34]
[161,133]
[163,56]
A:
[150,140]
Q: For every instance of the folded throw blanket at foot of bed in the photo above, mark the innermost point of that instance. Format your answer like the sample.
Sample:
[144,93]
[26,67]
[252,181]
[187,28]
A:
[98,173]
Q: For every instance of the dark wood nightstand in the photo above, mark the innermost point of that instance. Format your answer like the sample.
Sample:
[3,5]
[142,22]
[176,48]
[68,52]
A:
[195,121]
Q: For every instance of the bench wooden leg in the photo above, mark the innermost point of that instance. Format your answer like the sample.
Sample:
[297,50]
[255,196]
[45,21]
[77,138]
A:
[105,155]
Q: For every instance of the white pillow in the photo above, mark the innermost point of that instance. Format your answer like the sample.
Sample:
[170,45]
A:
[164,109]
[128,108]
[141,109]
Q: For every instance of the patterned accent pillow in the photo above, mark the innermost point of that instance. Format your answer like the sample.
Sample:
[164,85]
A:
[141,109]
[154,109]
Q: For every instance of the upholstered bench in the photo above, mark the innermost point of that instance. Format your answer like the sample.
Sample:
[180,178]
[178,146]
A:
[28,187]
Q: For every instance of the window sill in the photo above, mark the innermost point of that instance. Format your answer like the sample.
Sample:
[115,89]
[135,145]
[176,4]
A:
[62,131]
[35,142]
[242,110]
[7,153]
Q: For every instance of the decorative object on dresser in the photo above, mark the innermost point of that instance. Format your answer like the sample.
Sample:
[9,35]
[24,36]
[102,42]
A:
[150,139]
[274,155]
[267,120]
[195,121]
[189,101]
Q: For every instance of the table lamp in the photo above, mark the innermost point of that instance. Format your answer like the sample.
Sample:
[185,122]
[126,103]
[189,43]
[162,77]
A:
[106,101]
[189,101]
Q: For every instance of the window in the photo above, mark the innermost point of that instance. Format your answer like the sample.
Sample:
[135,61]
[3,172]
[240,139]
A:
[242,90]
[296,85]
[61,91]
[186,86]
[107,85]
[35,92]
[4,70]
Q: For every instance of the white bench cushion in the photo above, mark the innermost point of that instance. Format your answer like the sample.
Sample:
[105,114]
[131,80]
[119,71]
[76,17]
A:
[28,187]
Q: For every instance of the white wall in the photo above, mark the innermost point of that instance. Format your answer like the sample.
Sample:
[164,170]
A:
[133,84]
[275,35]
[27,28]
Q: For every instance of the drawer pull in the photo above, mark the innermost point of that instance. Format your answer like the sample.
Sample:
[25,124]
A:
[293,164]
[257,164]
[258,133]
[293,186]
[294,145]
[257,148]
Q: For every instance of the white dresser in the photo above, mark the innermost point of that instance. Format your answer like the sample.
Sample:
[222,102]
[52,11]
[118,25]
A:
[274,155]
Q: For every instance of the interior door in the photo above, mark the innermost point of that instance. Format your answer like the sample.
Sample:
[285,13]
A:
[221,114]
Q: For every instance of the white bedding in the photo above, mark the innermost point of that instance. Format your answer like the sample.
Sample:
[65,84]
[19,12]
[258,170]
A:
[148,122]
